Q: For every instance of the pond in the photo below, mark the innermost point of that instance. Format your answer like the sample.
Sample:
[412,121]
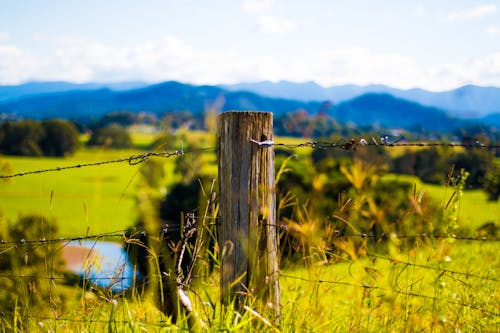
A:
[104,264]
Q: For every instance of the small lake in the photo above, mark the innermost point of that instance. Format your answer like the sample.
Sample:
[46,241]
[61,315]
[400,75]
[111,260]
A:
[105,264]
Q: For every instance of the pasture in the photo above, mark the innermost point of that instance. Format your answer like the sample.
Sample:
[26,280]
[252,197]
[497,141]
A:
[102,198]
[438,285]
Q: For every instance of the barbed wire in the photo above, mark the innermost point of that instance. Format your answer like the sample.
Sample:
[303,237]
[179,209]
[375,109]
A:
[63,278]
[113,234]
[342,144]
[131,160]
[342,234]
[397,291]
[441,269]
[86,320]
[321,281]
[384,141]
[126,234]
[174,228]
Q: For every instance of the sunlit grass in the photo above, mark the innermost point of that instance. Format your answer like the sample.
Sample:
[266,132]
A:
[439,285]
[442,287]
[101,198]
[475,208]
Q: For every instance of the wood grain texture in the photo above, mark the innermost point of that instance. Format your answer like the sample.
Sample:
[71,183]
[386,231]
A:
[247,198]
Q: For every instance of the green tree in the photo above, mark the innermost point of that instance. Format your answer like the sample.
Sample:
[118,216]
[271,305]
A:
[61,138]
[477,163]
[113,136]
[122,118]
[21,138]
[431,165]
[492,183]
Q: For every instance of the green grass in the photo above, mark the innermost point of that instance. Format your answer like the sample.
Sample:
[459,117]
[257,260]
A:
[398,297]
[364,295]
[95,199]
[100,198]
[442,287]
[475,208]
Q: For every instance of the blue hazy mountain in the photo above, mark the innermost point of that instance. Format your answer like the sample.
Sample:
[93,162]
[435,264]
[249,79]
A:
[467,101]
[84,103]
[158,98]
[388,111]
[38,88]
[493,119]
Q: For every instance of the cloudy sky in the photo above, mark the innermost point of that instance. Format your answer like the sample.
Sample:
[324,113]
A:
[432,44]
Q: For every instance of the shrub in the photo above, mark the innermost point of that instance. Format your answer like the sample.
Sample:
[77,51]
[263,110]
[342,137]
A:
[21,138]
[60,139]
[113,136]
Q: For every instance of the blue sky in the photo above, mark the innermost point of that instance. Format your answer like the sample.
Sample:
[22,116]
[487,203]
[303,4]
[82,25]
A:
[435,44]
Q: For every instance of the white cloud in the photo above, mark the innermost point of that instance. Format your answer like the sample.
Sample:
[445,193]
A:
[361,66]
[473,13]
[40,37]
[257,6]
[171,58]
[483,71]
[493,30]
[4,36]
[275,25]
[419,10]
[16,65]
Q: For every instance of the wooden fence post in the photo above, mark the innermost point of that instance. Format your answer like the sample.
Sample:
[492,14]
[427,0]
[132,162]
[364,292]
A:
[247,198]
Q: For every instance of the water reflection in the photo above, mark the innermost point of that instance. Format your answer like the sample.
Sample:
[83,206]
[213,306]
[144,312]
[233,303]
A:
[105,264]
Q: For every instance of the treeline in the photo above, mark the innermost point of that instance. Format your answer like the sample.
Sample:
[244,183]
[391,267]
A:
[41,138]
[32,138]
[58,137]
[434,165]
[62,137]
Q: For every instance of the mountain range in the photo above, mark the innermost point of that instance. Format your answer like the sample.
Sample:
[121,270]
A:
[370,105]
[468,101]
[158,98]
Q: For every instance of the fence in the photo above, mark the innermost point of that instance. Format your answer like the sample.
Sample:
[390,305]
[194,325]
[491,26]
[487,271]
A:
[259,139]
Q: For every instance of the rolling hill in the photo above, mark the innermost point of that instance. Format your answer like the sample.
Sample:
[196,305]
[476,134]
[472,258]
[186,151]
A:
[37,88]
[160,98]
[468,101]
[388,111]
[379,109]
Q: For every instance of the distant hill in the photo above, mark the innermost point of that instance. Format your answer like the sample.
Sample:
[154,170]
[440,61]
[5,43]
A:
[467,101]
[160,98]
[491,119]
[388,111]
[37,88]
[380,109]
[308,91]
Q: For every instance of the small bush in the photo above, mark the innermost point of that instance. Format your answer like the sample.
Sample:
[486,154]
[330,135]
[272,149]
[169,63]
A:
[113,136]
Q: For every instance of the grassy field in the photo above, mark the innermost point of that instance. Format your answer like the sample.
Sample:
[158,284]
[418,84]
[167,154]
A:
[100,198]
[439,286]
[475,208]
[443,287]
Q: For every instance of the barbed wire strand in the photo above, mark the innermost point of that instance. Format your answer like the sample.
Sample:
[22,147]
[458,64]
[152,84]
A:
[84,320]
[363,286]
[173,228]
[397,291]
[443,270]
[131,234]
[385,141]
[343,144]
[131,160]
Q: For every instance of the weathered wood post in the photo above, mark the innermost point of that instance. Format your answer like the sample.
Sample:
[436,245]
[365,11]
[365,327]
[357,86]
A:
[247,199]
